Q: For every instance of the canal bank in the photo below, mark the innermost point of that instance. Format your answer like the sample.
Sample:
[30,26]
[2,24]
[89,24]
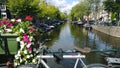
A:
[110,30]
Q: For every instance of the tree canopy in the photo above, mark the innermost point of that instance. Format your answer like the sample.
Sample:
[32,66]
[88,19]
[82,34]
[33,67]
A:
[34,8]
[48,10]
[84,8]
[79,10]
[112,6]
[22,8]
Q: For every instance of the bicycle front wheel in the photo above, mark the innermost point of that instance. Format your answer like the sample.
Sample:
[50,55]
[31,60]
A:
[97,65]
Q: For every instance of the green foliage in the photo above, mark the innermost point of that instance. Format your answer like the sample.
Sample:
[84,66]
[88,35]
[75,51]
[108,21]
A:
[48,11]
[34,8]
[53,12]
[22,8]
[109,5]
[113,16]
[63,16]
[84,8]
[79,11]
[112,6]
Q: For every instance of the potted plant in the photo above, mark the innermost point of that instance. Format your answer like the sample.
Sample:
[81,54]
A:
[26,32]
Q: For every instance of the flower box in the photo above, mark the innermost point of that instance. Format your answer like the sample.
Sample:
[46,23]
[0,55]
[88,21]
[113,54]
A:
[25,33]
[15,35]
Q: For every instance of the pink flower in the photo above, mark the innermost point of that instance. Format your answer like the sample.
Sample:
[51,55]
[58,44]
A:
[10,24]
[28,42]
[25,34]
[31,30]
[1,23]
[30,48]
[26,39]
[18,20]
[4,22]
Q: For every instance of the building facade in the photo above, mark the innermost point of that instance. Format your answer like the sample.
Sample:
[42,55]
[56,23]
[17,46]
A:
[3,9]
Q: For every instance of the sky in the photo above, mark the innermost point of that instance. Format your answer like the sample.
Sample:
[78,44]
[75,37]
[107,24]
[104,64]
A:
[64,5]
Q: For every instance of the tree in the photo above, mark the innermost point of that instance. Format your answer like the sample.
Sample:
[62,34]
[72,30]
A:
[112,6]
[22,8]
[79,10]
[48,10]
[63,16]
[109,5]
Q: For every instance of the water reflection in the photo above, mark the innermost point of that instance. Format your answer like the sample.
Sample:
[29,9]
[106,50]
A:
[64,38]
[69,36]
[109,40]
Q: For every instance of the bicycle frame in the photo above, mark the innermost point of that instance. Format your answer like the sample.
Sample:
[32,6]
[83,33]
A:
[42,56]
[78,57]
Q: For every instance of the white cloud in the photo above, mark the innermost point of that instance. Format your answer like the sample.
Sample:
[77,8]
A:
[63,5]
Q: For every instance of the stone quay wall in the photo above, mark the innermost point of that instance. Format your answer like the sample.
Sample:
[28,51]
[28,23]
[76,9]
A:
[110,30]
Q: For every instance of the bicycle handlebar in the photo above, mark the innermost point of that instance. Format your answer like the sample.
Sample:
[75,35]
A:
[64,56]
[78,57]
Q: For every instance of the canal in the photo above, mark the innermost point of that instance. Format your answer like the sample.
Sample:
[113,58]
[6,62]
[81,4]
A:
[68,36]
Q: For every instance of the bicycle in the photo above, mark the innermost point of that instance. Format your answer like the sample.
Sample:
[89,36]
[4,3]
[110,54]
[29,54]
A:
[58,55]
[45,53]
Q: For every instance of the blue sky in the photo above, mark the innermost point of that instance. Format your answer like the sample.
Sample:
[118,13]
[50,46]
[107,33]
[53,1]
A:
[64,5]
[70,1]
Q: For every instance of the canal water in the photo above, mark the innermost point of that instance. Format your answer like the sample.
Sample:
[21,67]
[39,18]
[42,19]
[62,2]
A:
[68,36]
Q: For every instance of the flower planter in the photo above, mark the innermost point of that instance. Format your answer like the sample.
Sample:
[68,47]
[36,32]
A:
[25,33]
[8,35]
[7,43]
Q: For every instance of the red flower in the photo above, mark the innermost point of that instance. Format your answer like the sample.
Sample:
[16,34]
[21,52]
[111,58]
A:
[29,18]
